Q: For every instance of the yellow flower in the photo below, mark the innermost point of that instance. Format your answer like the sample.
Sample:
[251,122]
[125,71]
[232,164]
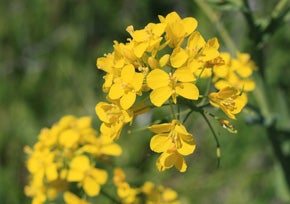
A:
[69,132]
[112,113]
[112,130]
[229,99]
[126,86]
[113,118]
[201,54]
[124,190]
[89,178]
[243,65]
[71,198]
[171,158]
[112,64]
[227,125]
[178,57]
[147,39]
[102,145]
[69,138]
[48,161]
[159,194]
[165,85]
[37,191]
[235,72]
[177,29]
[171,134]
[42,165]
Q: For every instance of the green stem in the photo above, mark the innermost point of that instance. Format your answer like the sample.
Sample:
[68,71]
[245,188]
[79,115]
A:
[275,138]
[215,137]
[110,197]
[187,116]
[261,97]
[178,111]
[257,34]
[220,27]
[172,110]
[194,108]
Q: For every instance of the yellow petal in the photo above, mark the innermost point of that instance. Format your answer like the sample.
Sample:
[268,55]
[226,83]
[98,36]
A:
[188,90]
[158,29]
[249,85]
[157,78]
[189,24]
[180,163]
[112,131]
[127,100]
[240,102]
[221,71]
[140,49]
[187,145]
[209,53]
[169,195]
[162,163]
[168,160]
[160,128]
[139,35]
[112,149]
[164,60]
[116,91]
[228,113]
[84,122]
[99,175]
[70,198]
[220,84]
[195,42]
[69,138]
[127,73]
[100,109]
[51,172]
[176,31]
[227,92]
[178,57]
[80,162]
[184,75]
[91,187]
[74,175]
[160,95]
[160,143]
[172,17]
[137,81]
[153,63]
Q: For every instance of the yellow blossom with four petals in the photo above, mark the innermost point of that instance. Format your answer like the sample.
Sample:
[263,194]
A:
[126,86]
[87,176]
[174,142]
[166,85]
[229,99]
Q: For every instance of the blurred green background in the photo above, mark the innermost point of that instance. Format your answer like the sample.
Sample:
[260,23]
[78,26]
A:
[47,69]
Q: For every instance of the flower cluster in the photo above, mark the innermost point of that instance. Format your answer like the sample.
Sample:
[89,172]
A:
[235,72]
[162,65]
[232,79]
[173,141]
[147,193]
[67,165]
[164,59]
[65,158]
[164,62]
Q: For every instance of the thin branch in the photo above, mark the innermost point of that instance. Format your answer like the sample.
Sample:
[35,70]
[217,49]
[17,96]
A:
[220,27]
[215,137]
[187,116]
[110,197]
